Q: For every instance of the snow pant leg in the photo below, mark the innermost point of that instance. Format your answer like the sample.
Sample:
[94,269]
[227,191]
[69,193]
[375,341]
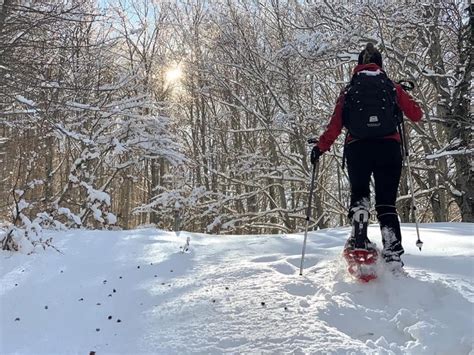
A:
[359,168]
[387,172]
[391,233]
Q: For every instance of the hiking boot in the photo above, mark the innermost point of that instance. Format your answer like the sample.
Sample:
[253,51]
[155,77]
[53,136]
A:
[392,257]
[351,244]
[360,221]
[394,263]
[396,268]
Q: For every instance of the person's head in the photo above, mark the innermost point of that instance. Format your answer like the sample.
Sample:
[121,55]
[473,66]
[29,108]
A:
[370,55]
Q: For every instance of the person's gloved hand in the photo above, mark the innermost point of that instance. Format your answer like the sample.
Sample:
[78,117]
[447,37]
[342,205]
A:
[315,154]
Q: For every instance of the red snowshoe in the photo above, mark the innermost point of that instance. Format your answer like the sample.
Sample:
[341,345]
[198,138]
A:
[361,263]
[360,254]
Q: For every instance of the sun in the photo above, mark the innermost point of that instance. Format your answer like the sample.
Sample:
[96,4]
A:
[173,74]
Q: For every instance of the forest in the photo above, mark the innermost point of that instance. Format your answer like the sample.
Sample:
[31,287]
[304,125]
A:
[194,114]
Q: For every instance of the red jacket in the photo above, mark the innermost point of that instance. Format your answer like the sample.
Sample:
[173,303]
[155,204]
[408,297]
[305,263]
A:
[409,107]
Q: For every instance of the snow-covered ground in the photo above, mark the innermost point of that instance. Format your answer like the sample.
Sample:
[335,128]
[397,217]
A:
[134,292]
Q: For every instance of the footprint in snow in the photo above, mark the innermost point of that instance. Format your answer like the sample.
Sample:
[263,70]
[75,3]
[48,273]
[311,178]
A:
[301,290]
[284,268]
[266,259]
[277,263]
[309,261]
[304,303]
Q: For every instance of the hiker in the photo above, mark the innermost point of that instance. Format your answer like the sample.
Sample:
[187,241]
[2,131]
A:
[369,107]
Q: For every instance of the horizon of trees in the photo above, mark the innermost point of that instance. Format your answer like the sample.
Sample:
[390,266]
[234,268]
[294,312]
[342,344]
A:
[194,114]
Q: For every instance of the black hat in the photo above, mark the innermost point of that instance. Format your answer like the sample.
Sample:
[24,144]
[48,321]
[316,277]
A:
[370,55]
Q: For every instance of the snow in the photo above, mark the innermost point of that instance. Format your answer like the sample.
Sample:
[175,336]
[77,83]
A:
[371,73]
[111,218]
[22,204]
[80,106]
[96,195]
[450,152]
[67,212]
[138,292]
[25,101]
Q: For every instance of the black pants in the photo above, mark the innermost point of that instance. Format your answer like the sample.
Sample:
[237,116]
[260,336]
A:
[383,159]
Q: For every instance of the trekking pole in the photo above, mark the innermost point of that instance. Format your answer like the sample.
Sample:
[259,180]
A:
[419,243]
[308,210]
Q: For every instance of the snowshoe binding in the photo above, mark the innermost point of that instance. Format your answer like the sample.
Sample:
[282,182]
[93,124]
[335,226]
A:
[361,255]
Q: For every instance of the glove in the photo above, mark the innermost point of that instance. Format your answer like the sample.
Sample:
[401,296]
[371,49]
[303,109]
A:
[315,154]
[406,85]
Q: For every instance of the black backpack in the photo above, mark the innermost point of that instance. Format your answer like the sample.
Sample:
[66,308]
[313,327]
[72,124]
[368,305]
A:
[370,106]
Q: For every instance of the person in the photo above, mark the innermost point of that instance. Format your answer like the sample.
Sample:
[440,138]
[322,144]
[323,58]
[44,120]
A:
[369,107]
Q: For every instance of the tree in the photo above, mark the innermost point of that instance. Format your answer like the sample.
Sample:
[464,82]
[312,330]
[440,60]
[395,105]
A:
[91,116]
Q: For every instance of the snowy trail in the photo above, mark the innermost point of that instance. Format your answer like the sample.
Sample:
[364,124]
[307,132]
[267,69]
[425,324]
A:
[235,294]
